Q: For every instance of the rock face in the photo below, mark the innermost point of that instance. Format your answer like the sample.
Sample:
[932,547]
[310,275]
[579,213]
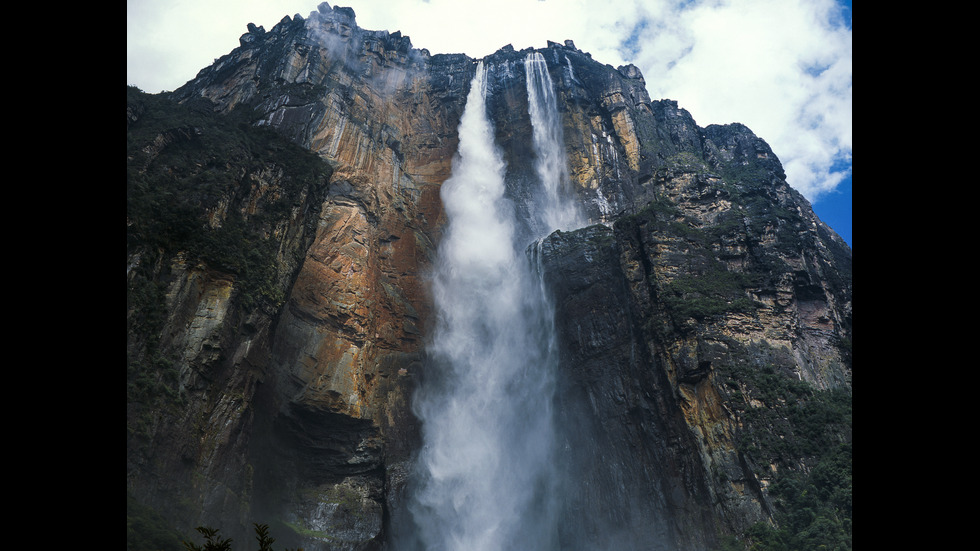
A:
[284,386]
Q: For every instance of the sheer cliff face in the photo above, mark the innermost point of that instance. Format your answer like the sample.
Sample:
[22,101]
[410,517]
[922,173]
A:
[703,262]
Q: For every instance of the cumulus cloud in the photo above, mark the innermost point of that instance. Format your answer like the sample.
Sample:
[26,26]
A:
[781,67]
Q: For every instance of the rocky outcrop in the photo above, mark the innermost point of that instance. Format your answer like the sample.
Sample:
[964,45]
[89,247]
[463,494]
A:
[218,221]
[650,383]
[661,314]
[284,387]
[348,341]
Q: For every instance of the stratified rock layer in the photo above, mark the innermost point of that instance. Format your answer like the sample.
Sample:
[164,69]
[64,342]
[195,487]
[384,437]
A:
[296,411]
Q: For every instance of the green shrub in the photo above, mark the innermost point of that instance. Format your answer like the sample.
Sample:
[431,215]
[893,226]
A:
[214,542]
[797,423]
[711,293]
[183,162]
[147,531]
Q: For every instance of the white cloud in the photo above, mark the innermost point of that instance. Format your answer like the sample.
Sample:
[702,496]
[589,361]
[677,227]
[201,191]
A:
[781,67]
[778,66]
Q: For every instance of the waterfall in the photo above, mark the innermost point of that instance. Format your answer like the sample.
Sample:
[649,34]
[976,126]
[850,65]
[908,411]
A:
[486,473]
[557,208]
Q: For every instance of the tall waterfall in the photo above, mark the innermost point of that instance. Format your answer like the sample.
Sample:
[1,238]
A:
[486,467]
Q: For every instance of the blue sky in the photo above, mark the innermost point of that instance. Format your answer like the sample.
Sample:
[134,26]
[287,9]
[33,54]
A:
[834,208]
[781,67]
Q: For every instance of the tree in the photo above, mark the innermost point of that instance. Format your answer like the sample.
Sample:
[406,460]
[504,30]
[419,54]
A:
[214,542]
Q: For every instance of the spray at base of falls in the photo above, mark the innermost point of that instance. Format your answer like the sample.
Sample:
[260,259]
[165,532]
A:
[486,468]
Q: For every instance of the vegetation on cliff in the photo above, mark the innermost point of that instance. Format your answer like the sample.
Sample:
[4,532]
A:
[185,163]
[802,437]
[147,530]
[212,194]
[722,234]
[702,287]
[214,542]
[185,166]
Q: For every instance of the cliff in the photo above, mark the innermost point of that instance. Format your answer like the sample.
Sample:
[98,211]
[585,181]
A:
[283,217]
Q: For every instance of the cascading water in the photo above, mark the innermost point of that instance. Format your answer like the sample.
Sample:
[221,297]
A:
[486,467]
[557,210]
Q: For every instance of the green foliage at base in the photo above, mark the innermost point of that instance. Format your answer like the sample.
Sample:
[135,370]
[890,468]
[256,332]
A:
[795,420]
[812,509]
[147,531]
[214,542]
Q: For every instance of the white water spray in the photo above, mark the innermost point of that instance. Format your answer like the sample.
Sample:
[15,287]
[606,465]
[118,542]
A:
[558,210]
[486,468]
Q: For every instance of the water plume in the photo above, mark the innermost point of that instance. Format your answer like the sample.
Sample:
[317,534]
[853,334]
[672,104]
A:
[485,473]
